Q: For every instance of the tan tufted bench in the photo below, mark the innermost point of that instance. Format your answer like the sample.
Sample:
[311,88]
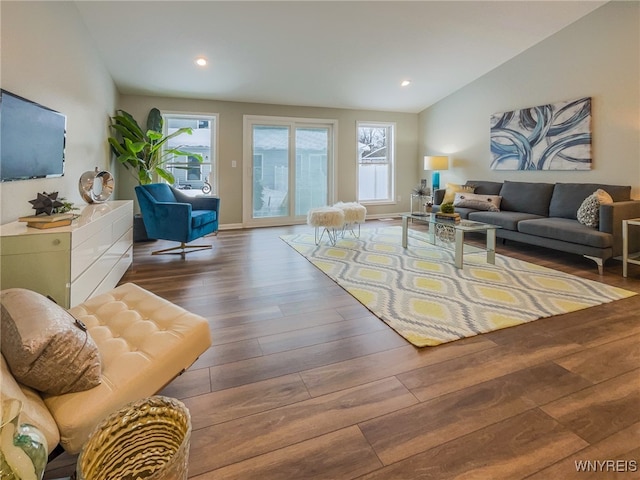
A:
[144,342]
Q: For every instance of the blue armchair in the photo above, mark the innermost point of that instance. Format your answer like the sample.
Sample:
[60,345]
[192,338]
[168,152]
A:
[169,214]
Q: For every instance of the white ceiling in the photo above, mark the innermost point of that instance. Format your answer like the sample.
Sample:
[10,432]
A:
[317,53]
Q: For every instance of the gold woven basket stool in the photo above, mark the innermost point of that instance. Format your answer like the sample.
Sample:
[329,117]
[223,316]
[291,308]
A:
[148,439]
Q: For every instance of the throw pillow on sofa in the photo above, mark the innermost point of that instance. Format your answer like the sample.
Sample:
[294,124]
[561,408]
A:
[453,188]
[589,212]
[490,203]
[44,346]
[603,197]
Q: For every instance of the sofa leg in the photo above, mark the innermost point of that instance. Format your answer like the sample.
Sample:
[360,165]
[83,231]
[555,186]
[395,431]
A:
[598,261]
[182,249]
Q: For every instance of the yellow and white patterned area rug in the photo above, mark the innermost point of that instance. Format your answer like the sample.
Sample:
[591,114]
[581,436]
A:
[420,293]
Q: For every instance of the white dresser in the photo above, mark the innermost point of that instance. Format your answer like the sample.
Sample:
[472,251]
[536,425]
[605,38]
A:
[71,263]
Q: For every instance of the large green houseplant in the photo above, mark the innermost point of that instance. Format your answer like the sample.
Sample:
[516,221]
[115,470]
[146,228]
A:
[145,153]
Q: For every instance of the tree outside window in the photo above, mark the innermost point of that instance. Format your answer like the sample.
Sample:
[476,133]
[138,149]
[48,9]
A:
[375,162]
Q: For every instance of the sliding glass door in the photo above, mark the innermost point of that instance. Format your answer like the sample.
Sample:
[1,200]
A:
[288,169]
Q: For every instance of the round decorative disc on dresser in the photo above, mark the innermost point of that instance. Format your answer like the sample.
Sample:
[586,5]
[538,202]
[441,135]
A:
[96,186]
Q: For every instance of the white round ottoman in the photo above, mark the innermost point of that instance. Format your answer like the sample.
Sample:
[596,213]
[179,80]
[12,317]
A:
[328,218]
[354,214]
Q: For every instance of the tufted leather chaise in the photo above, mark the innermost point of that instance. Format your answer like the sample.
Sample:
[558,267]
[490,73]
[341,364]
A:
[144,341]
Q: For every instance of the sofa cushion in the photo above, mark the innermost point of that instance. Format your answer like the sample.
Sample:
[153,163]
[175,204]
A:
[452,189]
[479,202]
[603,197]
[483,187]
[589,212]
[44,346]
[161,192]
[526,197]
[506,220]
[567,230]
[202,217]
[567,197]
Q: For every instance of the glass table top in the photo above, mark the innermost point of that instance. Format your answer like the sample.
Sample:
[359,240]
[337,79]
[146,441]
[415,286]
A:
[463,224]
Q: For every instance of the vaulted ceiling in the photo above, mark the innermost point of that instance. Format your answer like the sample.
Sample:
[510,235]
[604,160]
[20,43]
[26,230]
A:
[317,53]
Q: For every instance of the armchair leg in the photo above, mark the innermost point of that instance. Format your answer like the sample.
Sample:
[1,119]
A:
[182,249]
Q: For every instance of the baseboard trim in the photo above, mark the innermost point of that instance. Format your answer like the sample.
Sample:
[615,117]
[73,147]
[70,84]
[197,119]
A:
[230,226]
[380,216]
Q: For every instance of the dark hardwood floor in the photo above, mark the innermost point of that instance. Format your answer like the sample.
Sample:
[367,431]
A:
[302,382]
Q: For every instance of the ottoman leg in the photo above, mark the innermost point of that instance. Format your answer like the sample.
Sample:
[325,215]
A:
[331,234]
[352,229]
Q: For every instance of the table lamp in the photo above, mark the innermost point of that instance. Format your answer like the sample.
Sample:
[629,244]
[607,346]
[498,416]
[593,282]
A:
[436,164]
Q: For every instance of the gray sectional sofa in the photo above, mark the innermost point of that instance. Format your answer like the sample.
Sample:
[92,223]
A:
[545,214]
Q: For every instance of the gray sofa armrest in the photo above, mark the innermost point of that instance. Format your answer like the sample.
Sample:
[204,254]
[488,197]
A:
[611,217]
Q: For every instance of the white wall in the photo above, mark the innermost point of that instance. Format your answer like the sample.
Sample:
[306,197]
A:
[231,142]
[597,56]
[48,57]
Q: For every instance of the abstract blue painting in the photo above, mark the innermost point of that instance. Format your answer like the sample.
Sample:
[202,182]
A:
[556,136]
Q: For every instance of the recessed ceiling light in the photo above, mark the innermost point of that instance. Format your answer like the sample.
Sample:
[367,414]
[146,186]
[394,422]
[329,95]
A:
[201,61]
[405,83]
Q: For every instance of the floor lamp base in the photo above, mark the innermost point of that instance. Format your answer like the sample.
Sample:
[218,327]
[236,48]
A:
[435,180]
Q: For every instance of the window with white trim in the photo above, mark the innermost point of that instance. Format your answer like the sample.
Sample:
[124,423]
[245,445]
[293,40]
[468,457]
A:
[376,166]
[192,176]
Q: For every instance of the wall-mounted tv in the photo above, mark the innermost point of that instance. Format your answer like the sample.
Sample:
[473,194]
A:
[32,139]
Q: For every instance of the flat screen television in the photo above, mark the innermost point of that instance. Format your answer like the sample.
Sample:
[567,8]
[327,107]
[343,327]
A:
[32,139]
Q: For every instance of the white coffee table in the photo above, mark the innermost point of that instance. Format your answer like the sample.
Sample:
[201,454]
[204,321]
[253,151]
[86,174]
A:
[455,232]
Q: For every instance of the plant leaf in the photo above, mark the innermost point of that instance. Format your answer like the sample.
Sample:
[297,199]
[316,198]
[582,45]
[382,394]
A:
[115,146]
[125,132]
[126,120]
[153,135]
[180,131]
[155,120]
[144,177]
[134,147]
[183,153]
[168,176]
